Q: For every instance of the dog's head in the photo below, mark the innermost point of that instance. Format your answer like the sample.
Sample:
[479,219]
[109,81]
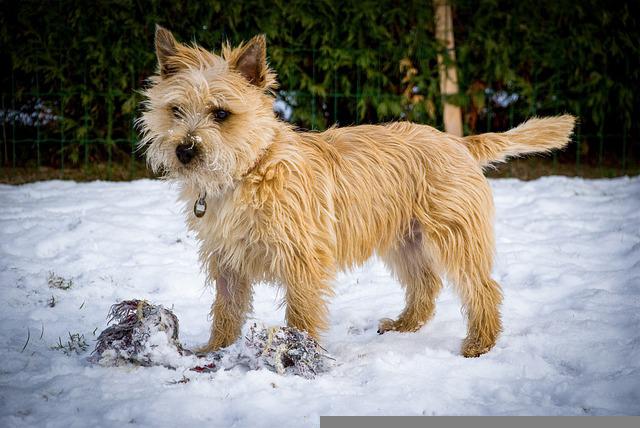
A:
[208,118]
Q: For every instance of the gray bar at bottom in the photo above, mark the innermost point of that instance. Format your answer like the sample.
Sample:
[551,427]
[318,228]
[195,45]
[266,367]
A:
[479,421]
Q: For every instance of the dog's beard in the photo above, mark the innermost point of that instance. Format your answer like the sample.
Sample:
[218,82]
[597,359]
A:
[210,172]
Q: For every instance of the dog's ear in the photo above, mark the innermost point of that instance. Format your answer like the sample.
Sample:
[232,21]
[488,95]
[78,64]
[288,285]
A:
[166,48]
[250,60]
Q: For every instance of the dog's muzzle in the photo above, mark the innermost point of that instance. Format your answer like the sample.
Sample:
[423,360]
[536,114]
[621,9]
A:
[185,152]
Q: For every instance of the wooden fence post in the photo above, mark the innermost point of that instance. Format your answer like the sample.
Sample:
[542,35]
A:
[448,73]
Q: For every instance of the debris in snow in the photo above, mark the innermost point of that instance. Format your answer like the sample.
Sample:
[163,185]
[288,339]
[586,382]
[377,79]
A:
[57,281]
[76,343]
[284,350]
[287,350]
[52,302]
[147,335]
[143,334]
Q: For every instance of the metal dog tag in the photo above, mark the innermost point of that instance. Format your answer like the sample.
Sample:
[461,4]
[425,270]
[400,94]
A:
[200,206]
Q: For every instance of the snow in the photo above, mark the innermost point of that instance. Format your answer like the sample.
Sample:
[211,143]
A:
[568,258]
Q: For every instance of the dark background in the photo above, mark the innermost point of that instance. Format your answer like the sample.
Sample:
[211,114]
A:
[72,71]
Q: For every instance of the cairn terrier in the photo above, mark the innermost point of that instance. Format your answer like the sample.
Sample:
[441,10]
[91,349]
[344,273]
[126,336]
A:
[269,203]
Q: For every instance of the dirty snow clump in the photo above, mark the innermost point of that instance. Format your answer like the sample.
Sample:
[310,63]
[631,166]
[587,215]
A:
[147,335]
[141,334]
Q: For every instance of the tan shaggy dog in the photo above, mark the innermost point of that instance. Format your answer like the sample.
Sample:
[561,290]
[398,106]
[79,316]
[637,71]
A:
[292,208]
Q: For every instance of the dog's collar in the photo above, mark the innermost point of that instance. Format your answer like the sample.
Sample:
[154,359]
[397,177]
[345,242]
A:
[259,158]
[200,205]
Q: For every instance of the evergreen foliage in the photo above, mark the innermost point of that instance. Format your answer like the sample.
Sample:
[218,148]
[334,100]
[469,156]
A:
[80,64]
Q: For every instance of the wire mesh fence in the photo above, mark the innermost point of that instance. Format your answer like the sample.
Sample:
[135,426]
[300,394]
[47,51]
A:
[71,72]
[53,129]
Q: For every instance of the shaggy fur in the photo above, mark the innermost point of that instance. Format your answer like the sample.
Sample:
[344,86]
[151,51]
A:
[293,208]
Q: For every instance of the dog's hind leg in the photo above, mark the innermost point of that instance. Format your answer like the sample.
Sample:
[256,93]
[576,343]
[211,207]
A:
[482,300]
[465,250]
[411,264]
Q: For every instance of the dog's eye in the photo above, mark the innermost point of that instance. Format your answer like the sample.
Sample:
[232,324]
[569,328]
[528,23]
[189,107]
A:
[220,115]
[175,111]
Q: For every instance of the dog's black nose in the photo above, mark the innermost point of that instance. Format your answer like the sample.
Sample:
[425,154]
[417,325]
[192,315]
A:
[185,152]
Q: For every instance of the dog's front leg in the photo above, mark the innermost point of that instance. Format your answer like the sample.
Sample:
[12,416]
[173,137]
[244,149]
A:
[305,299]
[229,310]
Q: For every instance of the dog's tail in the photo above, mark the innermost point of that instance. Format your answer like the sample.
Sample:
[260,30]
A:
[536,135]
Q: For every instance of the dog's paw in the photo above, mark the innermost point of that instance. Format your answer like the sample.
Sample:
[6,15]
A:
[473,348]
[385,325]
[206,349]
[401,325]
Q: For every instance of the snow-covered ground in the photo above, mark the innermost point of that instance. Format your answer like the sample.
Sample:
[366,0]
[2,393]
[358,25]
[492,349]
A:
[568,258]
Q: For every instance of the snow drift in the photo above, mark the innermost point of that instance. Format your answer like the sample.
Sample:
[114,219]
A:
[568,258]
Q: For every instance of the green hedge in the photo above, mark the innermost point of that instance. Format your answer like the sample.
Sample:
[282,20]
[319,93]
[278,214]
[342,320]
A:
[338,61]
